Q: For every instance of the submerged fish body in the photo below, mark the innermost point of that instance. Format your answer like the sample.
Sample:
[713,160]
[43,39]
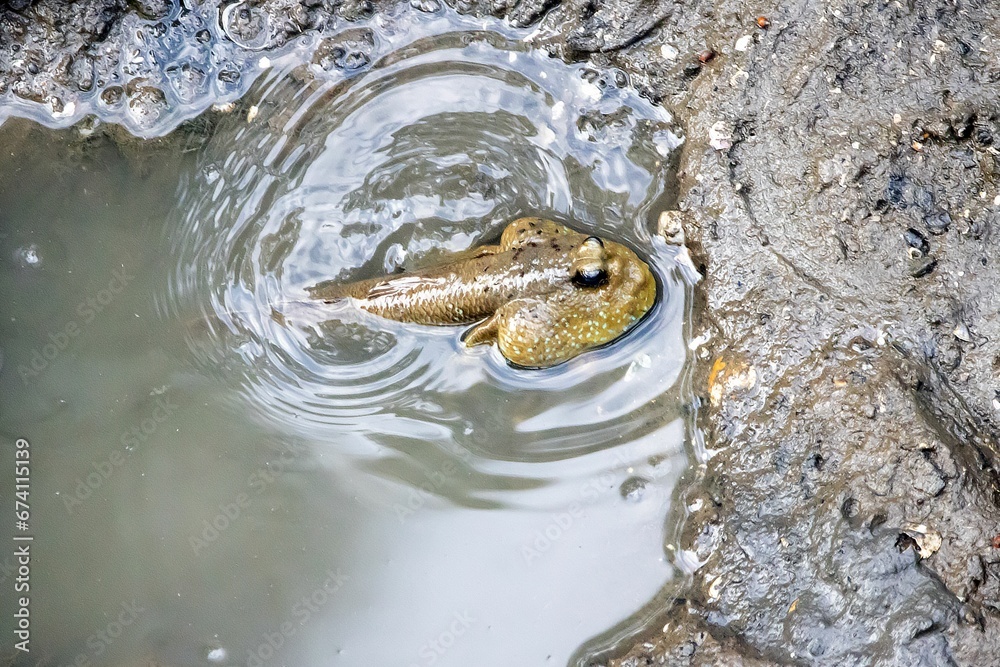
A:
[544,294]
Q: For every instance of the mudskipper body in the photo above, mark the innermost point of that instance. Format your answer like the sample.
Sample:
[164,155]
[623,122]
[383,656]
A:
[544,294]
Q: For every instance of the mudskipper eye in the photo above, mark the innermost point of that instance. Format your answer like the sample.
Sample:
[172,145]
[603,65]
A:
[590,276]
[590,265]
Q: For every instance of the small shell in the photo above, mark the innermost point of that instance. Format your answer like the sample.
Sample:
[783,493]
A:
[928,541]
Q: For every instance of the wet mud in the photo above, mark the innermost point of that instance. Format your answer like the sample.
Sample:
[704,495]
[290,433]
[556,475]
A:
[839,177]
[839,184]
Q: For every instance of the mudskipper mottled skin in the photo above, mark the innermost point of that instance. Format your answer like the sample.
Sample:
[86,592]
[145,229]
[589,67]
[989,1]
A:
[545,294]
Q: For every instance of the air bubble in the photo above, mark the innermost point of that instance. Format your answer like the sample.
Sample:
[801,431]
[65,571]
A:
[29,256]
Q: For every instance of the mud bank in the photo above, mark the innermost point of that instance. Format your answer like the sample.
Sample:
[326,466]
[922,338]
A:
[845,219]
[840,182]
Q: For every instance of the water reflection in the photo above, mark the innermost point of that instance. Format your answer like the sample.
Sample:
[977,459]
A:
[446,487]
[438,137]
[433,149]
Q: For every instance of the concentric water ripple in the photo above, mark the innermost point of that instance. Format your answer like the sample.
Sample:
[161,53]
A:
[439,134]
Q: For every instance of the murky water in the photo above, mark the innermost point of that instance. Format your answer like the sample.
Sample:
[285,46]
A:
[257,483]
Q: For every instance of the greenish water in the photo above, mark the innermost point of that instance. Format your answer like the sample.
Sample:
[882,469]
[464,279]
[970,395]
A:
[221,474]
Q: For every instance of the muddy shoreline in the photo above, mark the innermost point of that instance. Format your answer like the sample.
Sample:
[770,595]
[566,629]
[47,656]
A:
[839,179]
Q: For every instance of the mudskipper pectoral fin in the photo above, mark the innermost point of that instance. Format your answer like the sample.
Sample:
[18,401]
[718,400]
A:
[526,332]
[484,333]
[539,333]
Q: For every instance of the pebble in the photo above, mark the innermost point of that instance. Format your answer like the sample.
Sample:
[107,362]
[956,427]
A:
[919,247]
[720,136]
[670,227]
[633,489]
[669,52]
[938,223]
[728,377]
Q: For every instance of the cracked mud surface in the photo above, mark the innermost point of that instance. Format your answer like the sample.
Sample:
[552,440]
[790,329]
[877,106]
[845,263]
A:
[846,222]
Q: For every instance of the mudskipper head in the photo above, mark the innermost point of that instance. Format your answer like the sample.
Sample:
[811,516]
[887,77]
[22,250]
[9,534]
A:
[607,290]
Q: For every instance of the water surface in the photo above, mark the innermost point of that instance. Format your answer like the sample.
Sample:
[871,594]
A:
[288,487]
